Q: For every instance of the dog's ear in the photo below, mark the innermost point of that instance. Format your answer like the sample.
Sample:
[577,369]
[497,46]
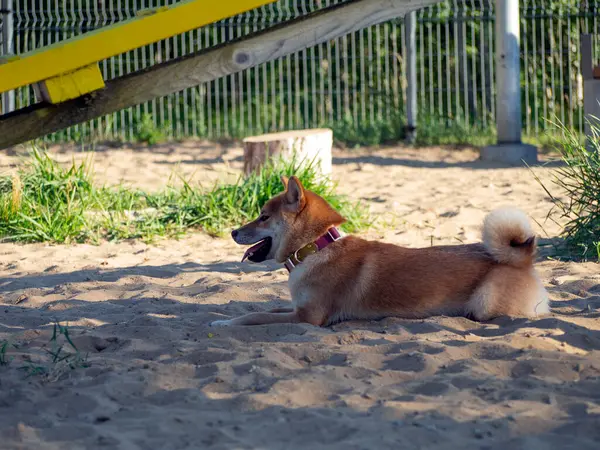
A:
[294,195]
[284,180]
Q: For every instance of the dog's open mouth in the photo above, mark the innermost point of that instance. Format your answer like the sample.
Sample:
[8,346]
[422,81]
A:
[259,251]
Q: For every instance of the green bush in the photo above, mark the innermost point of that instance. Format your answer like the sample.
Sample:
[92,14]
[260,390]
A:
[577,203]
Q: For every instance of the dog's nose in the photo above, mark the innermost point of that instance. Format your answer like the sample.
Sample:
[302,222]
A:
[234,234]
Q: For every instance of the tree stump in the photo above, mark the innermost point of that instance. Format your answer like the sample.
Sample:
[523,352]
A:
[308,146]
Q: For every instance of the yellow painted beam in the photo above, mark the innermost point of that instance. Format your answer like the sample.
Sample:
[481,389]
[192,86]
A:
[71,85]
[84,50]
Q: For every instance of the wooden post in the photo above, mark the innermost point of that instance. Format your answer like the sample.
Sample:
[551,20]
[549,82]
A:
[303,146]
[591,91]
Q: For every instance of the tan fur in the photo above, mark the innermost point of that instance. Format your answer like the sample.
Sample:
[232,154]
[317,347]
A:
[358,279]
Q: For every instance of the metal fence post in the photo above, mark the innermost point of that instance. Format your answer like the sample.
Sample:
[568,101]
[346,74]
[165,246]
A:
[410,26]
[8,98]
[509,148]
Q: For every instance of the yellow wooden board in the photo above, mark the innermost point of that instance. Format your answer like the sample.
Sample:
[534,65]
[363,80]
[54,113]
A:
[71,85]
[151,26]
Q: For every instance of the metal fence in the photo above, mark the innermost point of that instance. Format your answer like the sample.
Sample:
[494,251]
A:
[352,83]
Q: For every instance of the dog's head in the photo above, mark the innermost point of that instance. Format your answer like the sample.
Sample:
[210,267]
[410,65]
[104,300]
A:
[286,223]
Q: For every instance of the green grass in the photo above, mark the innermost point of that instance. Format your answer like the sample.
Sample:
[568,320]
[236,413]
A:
[576,200]
[147,131]
[353,134]
[3,348]
[45,202]
[434,130]
[431,130]
[62,356]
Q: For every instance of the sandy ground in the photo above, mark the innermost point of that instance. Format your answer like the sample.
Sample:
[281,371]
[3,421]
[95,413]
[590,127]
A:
[157,376]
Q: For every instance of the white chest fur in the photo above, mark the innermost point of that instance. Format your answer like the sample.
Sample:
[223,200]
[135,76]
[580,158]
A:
[299,281]
[298,284]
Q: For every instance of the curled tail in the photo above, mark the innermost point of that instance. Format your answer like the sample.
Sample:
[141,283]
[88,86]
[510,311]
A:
[508,236]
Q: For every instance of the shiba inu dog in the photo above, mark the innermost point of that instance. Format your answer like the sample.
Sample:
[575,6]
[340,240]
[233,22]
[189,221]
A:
[334,278]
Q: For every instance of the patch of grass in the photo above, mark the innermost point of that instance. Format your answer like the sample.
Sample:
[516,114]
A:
[46,202]
[63,356]
[147,131]
[352,133]
[578,200]
[177,209]
[433,130]
[549,141]
[3,348]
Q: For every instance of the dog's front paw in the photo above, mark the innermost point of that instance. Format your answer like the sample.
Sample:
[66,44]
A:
[221,323]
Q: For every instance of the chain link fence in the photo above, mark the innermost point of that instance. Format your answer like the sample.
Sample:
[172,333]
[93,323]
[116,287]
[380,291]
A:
[354,84]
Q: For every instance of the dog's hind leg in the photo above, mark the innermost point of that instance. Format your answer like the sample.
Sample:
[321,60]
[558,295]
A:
[508,291]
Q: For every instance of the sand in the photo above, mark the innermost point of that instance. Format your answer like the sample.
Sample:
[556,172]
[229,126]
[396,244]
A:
[157,376]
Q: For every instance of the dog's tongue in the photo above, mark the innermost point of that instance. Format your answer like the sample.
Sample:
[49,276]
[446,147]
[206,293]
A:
[252,250]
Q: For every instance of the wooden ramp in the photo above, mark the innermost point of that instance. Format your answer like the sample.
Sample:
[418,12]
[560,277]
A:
[72,89]
[69,68]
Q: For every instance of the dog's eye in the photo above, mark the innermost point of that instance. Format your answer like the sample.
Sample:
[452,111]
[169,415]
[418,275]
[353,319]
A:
[263,218]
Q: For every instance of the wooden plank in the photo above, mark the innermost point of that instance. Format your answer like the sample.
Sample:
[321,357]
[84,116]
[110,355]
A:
[586,56]
[70,85]
[81,51]
[173,76]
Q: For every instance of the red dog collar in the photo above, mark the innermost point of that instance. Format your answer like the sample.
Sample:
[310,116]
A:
[300,255]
